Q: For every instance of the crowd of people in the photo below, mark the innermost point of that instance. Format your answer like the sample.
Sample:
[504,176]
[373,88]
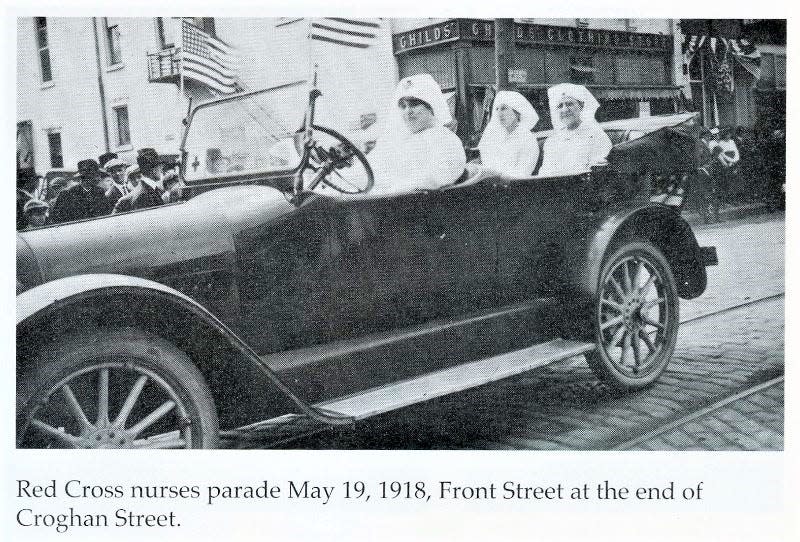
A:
[100,187]
[740,166]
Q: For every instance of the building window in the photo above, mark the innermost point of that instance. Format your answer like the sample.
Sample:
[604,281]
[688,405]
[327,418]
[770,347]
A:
[630,25]
[165,29]
[581,70]
[582,23]
[113,41]
[123,126]
[56,154]
[44,48]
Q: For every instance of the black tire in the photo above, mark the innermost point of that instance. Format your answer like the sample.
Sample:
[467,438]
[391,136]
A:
[623,320]
[141,375]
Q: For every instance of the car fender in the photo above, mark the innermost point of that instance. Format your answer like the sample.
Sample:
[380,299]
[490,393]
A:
[61,291]
[80,292]
[657,223]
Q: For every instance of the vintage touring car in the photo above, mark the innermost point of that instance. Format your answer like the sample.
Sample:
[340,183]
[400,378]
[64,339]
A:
[280,290]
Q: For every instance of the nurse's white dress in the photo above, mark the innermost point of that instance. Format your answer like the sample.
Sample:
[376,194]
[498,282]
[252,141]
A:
[571,152]
[430,159]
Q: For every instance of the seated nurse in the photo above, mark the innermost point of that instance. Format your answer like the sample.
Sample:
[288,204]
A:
[508,147]
[578,142]
[416,151]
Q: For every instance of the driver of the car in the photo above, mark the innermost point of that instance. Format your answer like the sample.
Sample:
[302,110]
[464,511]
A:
[416,151]
[578,142]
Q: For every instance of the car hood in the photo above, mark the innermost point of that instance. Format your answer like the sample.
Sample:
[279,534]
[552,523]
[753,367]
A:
[152,242]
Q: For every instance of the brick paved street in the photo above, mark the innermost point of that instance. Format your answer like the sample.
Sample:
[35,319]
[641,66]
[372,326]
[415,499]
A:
[752,420]
[563,406]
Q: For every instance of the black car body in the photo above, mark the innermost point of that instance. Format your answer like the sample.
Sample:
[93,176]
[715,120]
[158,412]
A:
[309,307]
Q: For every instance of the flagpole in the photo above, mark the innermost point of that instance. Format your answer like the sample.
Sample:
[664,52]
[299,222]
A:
[311,69]
[180,57]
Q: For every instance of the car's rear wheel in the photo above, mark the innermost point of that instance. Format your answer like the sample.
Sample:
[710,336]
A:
[635,317]
[118,388]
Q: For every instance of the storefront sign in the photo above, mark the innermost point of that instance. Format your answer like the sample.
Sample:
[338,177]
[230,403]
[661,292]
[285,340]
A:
[428,35]
[517,76]
[468,29]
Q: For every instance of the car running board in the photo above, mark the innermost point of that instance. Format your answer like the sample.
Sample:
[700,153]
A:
[374,401]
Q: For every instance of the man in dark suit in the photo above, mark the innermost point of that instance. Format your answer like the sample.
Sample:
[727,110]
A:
[149,191]
[116,186]
[83,199]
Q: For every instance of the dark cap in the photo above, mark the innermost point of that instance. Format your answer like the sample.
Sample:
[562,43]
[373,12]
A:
[88,166]
[105,157]
[148,158]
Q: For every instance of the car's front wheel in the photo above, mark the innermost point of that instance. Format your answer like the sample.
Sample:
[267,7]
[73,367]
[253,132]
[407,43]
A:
[635,317]
[119,388]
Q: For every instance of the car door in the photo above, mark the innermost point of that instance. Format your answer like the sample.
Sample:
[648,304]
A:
[536,217]
[378,257]
[284,264]
[410,258]
[459,229]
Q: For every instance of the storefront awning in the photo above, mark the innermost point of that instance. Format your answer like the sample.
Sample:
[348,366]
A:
[637,94]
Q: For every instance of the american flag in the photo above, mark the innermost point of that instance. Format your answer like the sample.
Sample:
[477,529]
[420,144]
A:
[208,60]
[359,33]
[748,56]
[745,53]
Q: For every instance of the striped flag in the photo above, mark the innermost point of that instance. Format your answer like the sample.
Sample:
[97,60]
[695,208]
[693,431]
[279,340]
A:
[359,33]
[691,44]
[745,53]
[748,56]
[208,60]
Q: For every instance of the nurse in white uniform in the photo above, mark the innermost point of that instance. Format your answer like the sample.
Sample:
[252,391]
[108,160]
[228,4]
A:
[578,142]
[507,146]
[416,151]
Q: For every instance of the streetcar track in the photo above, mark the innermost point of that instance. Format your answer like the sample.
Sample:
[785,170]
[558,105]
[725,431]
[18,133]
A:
[733,308]
[697,414]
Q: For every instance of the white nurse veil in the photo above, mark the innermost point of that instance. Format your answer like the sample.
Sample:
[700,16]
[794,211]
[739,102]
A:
[423,87]
[494,134]
[578,92]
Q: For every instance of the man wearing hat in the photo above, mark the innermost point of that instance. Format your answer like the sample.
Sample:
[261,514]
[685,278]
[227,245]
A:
[84,199]
[115,168]
[149,191]
[105,158]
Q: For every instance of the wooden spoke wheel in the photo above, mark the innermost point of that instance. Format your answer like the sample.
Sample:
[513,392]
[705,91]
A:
[635,317]
[115,389]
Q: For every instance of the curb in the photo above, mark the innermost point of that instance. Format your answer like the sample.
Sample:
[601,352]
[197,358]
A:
[729,213]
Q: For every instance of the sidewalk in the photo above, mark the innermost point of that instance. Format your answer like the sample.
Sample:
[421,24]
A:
[728,212]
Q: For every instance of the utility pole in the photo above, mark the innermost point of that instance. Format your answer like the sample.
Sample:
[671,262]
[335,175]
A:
[103,114]
[503,51]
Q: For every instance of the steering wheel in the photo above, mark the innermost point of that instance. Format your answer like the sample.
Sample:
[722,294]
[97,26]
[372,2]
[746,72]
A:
[334,161]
